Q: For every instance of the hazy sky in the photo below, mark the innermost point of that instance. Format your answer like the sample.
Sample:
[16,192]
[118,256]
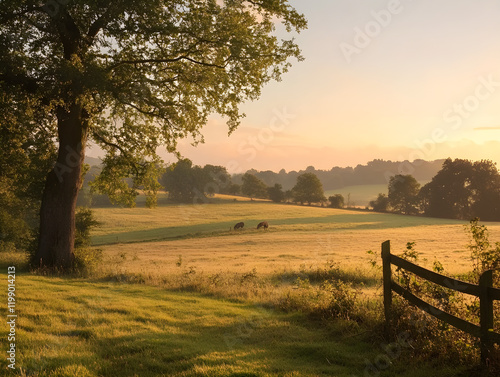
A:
[382,79]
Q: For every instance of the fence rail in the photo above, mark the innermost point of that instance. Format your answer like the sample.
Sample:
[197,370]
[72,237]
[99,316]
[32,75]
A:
[485,291]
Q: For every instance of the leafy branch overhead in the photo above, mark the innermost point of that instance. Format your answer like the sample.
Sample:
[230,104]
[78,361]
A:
[145,73]
[131,77]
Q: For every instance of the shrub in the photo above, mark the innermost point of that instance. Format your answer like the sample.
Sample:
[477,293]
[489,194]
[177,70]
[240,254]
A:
[381,204]
[336,201]
[85,221]
[484,256]
[87,258]
[342,300]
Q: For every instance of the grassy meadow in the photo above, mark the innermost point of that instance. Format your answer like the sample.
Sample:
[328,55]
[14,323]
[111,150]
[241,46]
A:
[202,235]
[178,293]
[361,195]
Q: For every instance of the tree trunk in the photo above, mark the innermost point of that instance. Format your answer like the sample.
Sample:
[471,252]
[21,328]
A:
[57,213]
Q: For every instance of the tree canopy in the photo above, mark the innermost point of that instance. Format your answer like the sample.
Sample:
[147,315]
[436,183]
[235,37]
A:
[253,186]
[308,189]
[403,194]
[336,201]
[463,189]
[381,204]
[130,76]
[276,193]
[188,183]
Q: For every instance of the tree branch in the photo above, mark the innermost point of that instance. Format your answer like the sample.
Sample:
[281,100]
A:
[97,136]
[69,32]
[172,60]
[97,25]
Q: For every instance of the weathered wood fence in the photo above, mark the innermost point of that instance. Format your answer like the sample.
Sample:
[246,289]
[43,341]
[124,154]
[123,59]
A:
[485,291]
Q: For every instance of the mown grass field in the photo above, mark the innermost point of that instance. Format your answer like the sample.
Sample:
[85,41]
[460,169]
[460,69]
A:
[153,239]
[361,195]
[180,294]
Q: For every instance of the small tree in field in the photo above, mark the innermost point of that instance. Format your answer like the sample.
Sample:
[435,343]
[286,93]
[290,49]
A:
[276,193]
[308,189]
[381,204]
[253,187]
[184,182]
[403,194]
[336,201]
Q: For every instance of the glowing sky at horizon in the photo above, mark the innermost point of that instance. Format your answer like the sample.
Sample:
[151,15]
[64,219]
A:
[430,71]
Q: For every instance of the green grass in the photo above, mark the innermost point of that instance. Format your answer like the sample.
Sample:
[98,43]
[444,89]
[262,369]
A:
[79,328]
[124,225]
[209,299]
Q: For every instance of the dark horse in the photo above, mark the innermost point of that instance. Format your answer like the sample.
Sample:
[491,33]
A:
[239,226]
[263,224]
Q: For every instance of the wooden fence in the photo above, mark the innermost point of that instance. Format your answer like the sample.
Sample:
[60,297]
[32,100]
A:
[485,291]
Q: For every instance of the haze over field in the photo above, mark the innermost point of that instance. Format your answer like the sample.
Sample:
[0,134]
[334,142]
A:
[402,81]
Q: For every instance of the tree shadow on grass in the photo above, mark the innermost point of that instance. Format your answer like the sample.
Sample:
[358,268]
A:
[258,346]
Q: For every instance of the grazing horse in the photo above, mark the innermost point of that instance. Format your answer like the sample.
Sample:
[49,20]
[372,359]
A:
[263,224]
[239,226]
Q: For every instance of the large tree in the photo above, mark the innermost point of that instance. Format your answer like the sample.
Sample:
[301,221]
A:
[403,194]
[188,183]
[276,193]
[184,182]
[253,186]
[463,189]
[130,76]
[25,158]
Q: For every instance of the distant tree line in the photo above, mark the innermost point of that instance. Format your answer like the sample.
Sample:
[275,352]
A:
[374,172]
[462,189]
[278,185]
[188,183]
[458,188]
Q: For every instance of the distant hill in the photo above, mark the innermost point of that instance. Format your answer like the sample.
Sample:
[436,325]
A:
[376,172]
[358,184]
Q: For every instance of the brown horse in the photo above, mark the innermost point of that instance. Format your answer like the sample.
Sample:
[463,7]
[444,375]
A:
[239,226]
[263,224]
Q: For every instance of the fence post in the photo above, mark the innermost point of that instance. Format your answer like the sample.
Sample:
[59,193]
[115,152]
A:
[386,270]
[486,314]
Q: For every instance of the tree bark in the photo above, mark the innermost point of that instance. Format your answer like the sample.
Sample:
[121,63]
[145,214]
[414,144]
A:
[57,213]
